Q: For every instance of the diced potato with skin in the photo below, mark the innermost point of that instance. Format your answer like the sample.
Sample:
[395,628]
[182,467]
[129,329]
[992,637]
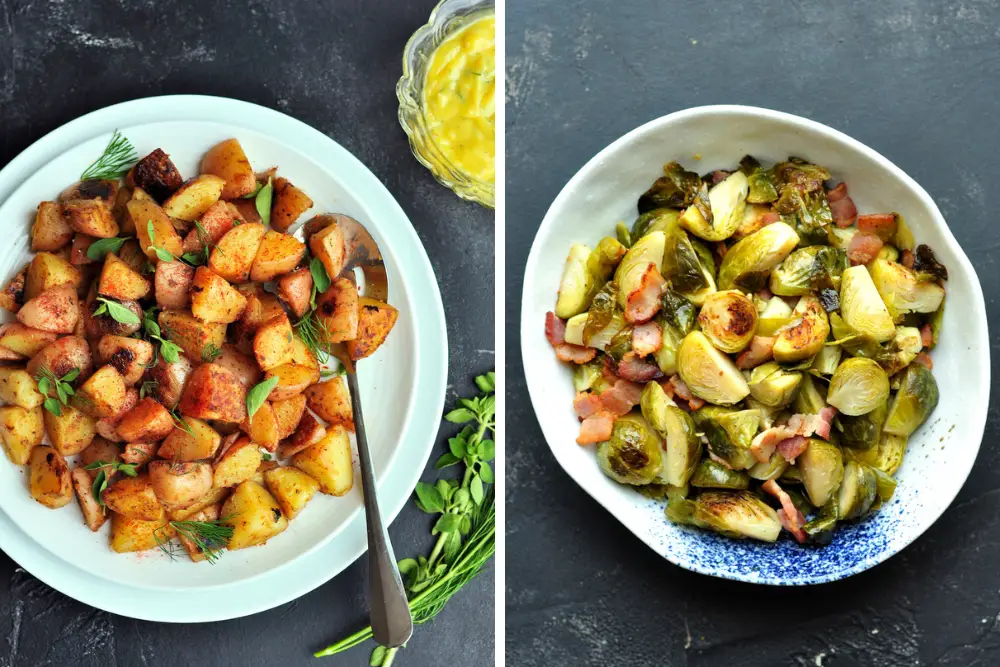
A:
[254,515]
[309,432]
[144,211]
[295,289]
[128,356]
[148,421]
[328,245]
[50,479]
[213,299]
[133,497]
[120,213]
[139,453]
[21,430]
[213,392]
[244,366]
[93,513]
[91,217]
[133,256]
[55,310]
[332,402]
[71,431]
[6,354]
[329,462]
[289,204]
[208,514]
[237,464]
[18,387]
[96,326]
[260,308]
[50,231]
[107,427]
[232,257]
[179,484]
[102,394]
[104,189]
[288,413]
[194,197]
[216,221]
[170,380]
[201,443]
[119,281]
[228,161]
[100,449]
[131,534]
[375,321]
[245,209]
[23,340]
[292,380]
[263,427]
[292,488]
[62,356]
[262,469]
[78,250]
[12,296]
[172,283]
[157,175]
[277,255]
[338,309]
[213,497]
[302,355]
[272,344]
[46,271]
[190,333]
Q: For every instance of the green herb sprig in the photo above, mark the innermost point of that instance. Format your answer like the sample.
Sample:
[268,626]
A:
[118,157]
[262,202]
[101,247]
[101,480]
[47,380]
[169,350]
[116,311]
[211,537]
[199,257]
[259,394]
[210,353]
[162,254]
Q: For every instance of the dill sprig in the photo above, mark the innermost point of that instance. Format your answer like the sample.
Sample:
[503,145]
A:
[118,157]
[211,537]
[315,335]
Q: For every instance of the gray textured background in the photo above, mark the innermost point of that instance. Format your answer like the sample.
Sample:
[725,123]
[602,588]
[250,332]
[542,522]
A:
[334,67]
[917,80]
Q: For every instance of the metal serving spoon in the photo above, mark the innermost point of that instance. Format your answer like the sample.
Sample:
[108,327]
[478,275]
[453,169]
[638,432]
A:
[392,624]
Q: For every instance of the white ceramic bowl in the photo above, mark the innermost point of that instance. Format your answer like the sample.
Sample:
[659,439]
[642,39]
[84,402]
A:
[941,453]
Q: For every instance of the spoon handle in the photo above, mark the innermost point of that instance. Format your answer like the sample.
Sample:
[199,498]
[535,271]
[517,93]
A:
[392,623]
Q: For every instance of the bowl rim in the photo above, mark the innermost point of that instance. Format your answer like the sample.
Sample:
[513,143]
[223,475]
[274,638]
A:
[536,386]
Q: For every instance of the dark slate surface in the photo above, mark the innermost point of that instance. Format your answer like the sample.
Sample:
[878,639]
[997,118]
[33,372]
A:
[336,69]
[916,80]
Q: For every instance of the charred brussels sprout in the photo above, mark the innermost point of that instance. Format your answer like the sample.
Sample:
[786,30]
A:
[632,455]
[924,262]
[677,311]
[727,201]
[684,267]
[576,286]
[657,220]
[734,452]
[602,311]
[604,258]
[801,174]
[729,319]
[858,386]
[808,213]
[585,376]
[760,182]
[628,276]
[808,269]
[857,491]
[774,386]
[864,431]
[708,373]
[913,403]
[862,307]
[902,291]
[806,338]
[737,514]
[770,469]
[711,475]
[821,467]
[675,189]
[748,263]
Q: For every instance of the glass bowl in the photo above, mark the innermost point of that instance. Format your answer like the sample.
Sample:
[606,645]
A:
[447,18]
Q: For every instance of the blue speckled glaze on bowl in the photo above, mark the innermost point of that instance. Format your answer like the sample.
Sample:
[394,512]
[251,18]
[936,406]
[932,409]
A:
[940,454]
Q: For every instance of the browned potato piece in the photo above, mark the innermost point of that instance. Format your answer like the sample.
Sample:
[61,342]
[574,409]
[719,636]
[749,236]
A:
[168,380]
[216,221]
[133,256]
[201,443]
[272,344]
[289,204]
[173,285]
[128,356]
[237,464]
[96,326]
[263,427]
[61,357]
[295,289]
[262,469]
[50,480]
[91,217]
[245,209]
[18,387]
[260,308]
[194,197]
[12,295]
[302,355]
[133,497]
[208,514]
[190,333]
[23,340]
[180,484]
[56,310]
[213,497]
[144,211]
[337,309]
[254,515]
[148,421]
[292,488]
[329,462]
[157,175]
[120,213]
[232,258]
[328,245]
[118,281]
[278,254]
[213,299]
[7,354]
[245,367]
[332,402]
[78,250]
[100,450]
[46,271]
[102,394]
[131,534]
[107,427]
[375,321]
[139,453]
[106,190]
[213,392]
[228,161]
[309,432]
[21,431]
[288,413]
[292,380]
[50,230]
[70,432]
[93,513]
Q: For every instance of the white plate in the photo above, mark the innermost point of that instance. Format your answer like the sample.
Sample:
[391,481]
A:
[403,384]
[941,453]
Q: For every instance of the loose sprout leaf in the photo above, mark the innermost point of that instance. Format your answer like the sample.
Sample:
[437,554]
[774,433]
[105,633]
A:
[101,247]
[259,394]
[262,202]
[320,279]
[118,312]
[118,157]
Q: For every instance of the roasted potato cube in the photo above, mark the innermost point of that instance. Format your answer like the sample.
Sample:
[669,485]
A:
[145,211]
[262,469]
[18,387]
[332,402]
[194,197]
[21,431]
[107,427]
[375,321]
[104,189]
[118,281]
[148,421]
[309,432]
[50,480]
[167,381]
[62,356]
[288,413]
[289,204]
[244,210]
[329,462]
[338,310]
[133,256]
[263,427]
[295,289]
[102,394]
[6,354]
[277,255]
[93,513]
[120,212]
[228,161]
[46,271]
[213,392]
[213,299]
[157,175]
[23,340]
[201,443]
[215,222]
[50,230]
[328,245]
[12,296]
[232,257]
[78,250]
[71,431]
[172,282]
[179,484]
[190,333]
[292,488]
[128,356]
[302,355]
[56,310]
[207,514]
[100,449]
[133,497]
[214,497]
[254,515]
[96,326]
[139,453]
[292,380]
[91,217]
[132,534]
[272,344]
[245,367]
[237,463]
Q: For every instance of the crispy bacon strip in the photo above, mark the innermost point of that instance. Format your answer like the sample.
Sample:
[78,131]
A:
[924,360]
[926,335]
[791,517]
[760,350]
[647,338]
[596,428]
[680,389]
[635,369]
[882,225]
[766,442]
[644,301]
[863,248]
[809,424]
[792,448]
[794,526]
[841,206]
[586,403]
[577,354]
[555,329]
[621,397]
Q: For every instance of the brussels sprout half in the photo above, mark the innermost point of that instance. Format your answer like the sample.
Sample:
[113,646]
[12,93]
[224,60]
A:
[708,373]
[864,431]
[576,286]
[657,220]
[774,386]
[711,475]
[684,267]
[645,251]
[737,514]
[858,386]
[902,292]
[807,337]
[862,307]
[748,263]
[913,403]
[821,467]
[810,399]
[727,201]
[809,269]
[632,455]
[857,492]
[887,457]
[734,451]
[729,319]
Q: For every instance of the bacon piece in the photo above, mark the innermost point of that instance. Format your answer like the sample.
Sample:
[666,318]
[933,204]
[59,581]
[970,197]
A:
[680,388]
[907,259]
[764,443]
[596,428]
[578,354]
[924,360]
[809,424]
[769,218]
[555,329]
[621,397]
[718,176]
[792,448]
[844,212]
[882,225]
[837,193]
[926,335]
[791,517]
[647,338]
[694,403]
[635,369]
[721,249]
[794,526]
[863,248]
[586,403]
[644,302]
[760,350]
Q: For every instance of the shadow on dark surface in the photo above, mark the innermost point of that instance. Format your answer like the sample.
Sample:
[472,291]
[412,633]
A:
[914,80]
[335,68]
